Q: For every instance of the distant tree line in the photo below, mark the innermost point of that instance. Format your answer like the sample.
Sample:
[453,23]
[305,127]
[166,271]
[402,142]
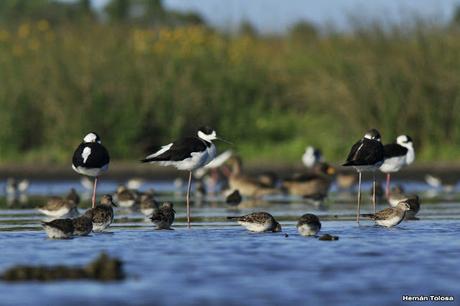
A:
[140,12]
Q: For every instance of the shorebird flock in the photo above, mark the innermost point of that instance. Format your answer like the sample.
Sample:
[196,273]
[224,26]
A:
[197,154]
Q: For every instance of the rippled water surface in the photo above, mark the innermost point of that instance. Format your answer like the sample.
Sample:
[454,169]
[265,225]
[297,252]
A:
[217,262]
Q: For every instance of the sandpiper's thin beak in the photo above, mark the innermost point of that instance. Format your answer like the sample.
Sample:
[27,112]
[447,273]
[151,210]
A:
[114,205]
[223,140]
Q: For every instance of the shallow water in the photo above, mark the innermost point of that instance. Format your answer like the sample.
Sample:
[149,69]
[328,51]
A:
[218,262]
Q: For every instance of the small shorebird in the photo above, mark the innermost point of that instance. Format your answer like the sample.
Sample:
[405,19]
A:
[82,225]
[313,184]
[58,207]
[189,153]
[13,186]
[233,198]
[413,200]
[126,197]
[59,228]
[102,214]
[311,157]
[390,216]
[308,225]
[258,222]
[247,185]
[163,218]
[148,204]
[91,159]
[366,155]
[397,155]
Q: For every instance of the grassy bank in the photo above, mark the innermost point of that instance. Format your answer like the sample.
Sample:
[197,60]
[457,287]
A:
[271,96]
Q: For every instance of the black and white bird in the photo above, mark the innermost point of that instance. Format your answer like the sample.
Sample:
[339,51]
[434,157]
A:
[189,153]
[397,155]
[366,155]
[311,157]
[91,159]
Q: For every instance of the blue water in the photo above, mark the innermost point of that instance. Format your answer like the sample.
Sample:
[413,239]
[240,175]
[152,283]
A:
[219,263]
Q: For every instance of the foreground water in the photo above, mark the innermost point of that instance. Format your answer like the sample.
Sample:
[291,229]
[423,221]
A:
[217,262]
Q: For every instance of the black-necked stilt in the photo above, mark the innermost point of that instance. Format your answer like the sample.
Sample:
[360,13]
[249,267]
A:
[189,153]
[366,155]
[308,225]
[390,216]
[164,216]
[258,222]
[91,159]
[311,157]
[102,214]
[397,155]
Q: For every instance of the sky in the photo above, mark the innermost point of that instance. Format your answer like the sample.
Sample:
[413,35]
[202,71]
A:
[276,16]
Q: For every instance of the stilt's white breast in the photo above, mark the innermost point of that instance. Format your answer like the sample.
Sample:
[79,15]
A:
[91,171]
[393,164]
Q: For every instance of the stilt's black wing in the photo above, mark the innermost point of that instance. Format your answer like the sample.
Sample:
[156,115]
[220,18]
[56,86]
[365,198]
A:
[179,150]
[365,152]
[394,150]
[98,157]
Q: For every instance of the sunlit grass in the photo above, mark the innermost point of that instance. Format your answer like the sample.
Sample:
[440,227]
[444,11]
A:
[271,96]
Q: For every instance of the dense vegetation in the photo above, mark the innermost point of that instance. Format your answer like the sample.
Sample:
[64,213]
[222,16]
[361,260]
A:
[141,84]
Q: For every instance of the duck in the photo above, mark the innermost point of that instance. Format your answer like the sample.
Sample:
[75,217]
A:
[247,185]
[310,184]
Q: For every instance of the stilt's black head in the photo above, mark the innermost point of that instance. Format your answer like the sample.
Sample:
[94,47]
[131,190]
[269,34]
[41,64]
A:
[207,133]
[373,134]
[403,139]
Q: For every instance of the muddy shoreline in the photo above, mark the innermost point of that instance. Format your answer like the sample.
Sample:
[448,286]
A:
[126,170]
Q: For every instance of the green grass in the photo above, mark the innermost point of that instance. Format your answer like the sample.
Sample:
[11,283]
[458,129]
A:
[271,96]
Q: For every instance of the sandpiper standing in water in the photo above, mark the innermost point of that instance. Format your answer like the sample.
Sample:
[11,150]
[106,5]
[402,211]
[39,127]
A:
[91,159]
[59,228]
[258,222]
[397,155]
[59,207]
[189,153]
[390,216]
[308,225]
[163,217]
[366,155]
[102,214]
[82,225]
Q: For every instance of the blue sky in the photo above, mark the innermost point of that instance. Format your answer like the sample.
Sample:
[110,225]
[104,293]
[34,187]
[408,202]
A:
[278,15]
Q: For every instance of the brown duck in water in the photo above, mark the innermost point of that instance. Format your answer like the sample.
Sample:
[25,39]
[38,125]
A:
[247,185]
[315,183]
